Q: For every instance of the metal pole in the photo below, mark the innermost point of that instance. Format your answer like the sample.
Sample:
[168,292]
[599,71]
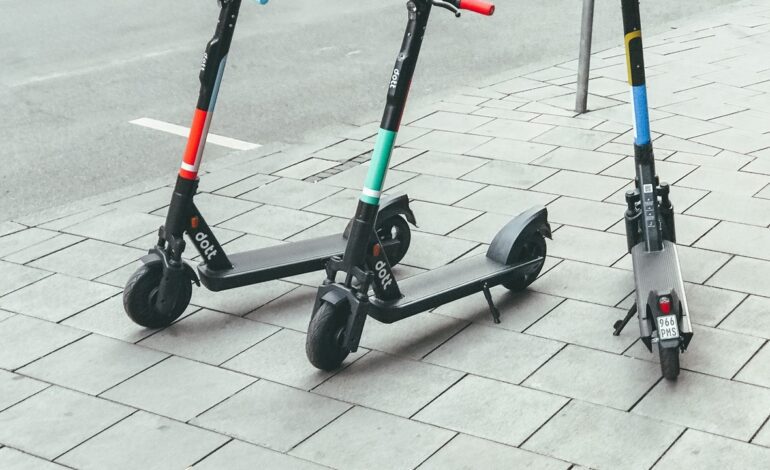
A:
[584,66]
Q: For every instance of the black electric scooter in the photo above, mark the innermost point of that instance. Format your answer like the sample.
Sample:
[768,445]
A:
[660,303]
[160,290]
[514,259]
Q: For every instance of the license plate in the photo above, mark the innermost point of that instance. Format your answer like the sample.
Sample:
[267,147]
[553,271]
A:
[667,327]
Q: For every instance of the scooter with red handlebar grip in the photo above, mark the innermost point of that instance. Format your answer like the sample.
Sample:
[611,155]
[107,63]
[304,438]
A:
[477,6]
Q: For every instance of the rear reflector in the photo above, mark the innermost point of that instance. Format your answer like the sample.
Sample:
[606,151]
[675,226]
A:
[664,303]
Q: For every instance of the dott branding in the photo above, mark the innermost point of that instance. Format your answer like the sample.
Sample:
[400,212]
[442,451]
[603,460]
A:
[205,245]
[394,79]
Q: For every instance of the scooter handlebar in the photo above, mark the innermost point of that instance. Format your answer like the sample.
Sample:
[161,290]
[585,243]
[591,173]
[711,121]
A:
[477,6]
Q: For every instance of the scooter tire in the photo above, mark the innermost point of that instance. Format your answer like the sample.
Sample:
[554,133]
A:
[323,344]
[141,291]
[669,362]
[533,248]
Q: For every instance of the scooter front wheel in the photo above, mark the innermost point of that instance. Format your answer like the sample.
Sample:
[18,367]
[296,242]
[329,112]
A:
[395,236]
[141,292]
[323,344]
[669,362]
[534,247]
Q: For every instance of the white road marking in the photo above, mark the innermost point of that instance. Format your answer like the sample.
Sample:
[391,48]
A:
[182,131]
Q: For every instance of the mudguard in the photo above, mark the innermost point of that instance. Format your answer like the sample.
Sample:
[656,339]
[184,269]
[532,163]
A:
[391,206]
[157,256]
[509,241]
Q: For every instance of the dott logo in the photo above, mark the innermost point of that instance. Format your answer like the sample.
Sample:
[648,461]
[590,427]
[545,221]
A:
[394,79]
[385,278]
[205,246]
[205,60]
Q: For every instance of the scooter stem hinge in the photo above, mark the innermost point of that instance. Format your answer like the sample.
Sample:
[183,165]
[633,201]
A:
[488,295]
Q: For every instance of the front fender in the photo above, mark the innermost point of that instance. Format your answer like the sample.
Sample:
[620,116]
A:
[158,256]
[509,241]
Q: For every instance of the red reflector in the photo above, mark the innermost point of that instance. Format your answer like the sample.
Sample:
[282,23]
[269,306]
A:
[376,250]
[664,303]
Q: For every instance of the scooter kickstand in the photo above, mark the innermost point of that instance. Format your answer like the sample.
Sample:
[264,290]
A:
[620,324]
[495,312]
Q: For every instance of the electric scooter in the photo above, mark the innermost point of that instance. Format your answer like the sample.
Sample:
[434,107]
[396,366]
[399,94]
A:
[660,303]
[160,290]
[514,259]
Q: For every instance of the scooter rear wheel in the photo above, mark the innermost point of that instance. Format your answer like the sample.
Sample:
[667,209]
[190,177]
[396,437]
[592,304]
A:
[395,228]
[534,247]
[142,290]
[323,344]
[669,362]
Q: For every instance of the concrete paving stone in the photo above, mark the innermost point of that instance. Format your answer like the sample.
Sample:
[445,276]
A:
[724,160]
[736,140]
[761,164]
[733,208]
[574,432]
[567,102]
[245,185]
[579,121]
[506,103]
[762,438]
[433,251]
[156,443]
[442,164]
[711,452]
[93,364]
[435,189]
[503,113]
[517,85]
[708,305]
[449,142]
[178,388]
[590,246]
[26,339]
[509,150]
[582,185]
[710,404]
[306,169]
[370,437]
[291,310]
[510,129]
[508,201]
[344,150]
[413,337]
[56,420]
[748,120]
[543,93]
[587,282]
[60,221]
[273,222]
[741,79]
[217,209]
[685,127]
[43,248]
[341,204]
[281,358]
[404,154]
[452,122]
[517,310]
[17,241]
[272,415]
[6,315]
[57,297]
[494,353]
[668,142]
[330,226]
[669,172]
[15,277]
[12,459]
[146,202]
[698,265]
[290,193]
[586,161]
[725,181]
[743,275]
[492,410]
[586,325]
[440,219]
[706,353]
[613,127]
[509,174]
[750,318]
[15,388]
[388,383]
[584,213]
[575,138]
[237,455]
[89,259]
[707,110]
[221,178]
[8,227]
[467,452]
[117,226]
[739,239]
[209,337]
[623,380]
[689,228]
[757,370]
[245,242]
[272,163]
[484,228]
[354,178]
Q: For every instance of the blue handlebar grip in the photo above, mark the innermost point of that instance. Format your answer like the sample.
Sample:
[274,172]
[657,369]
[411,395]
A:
[263,2]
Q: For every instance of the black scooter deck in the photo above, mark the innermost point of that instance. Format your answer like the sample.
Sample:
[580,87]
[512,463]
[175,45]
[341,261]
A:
[274,262]
[446,284]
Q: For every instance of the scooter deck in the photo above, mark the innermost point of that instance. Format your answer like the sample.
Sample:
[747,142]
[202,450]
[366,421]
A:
[446,284]
[658,271]
[274,262]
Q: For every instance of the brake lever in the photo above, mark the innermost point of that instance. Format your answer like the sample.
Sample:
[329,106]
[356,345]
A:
[446,6]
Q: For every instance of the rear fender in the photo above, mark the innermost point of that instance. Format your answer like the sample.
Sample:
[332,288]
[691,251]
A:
[391,206]
[508,243]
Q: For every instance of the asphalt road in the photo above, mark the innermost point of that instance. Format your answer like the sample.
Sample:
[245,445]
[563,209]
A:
[75,73]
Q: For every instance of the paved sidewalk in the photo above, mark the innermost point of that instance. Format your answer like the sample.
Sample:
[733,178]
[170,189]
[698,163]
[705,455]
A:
[229,387]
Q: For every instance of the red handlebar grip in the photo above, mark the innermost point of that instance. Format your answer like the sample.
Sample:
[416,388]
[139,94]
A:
[478,6]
